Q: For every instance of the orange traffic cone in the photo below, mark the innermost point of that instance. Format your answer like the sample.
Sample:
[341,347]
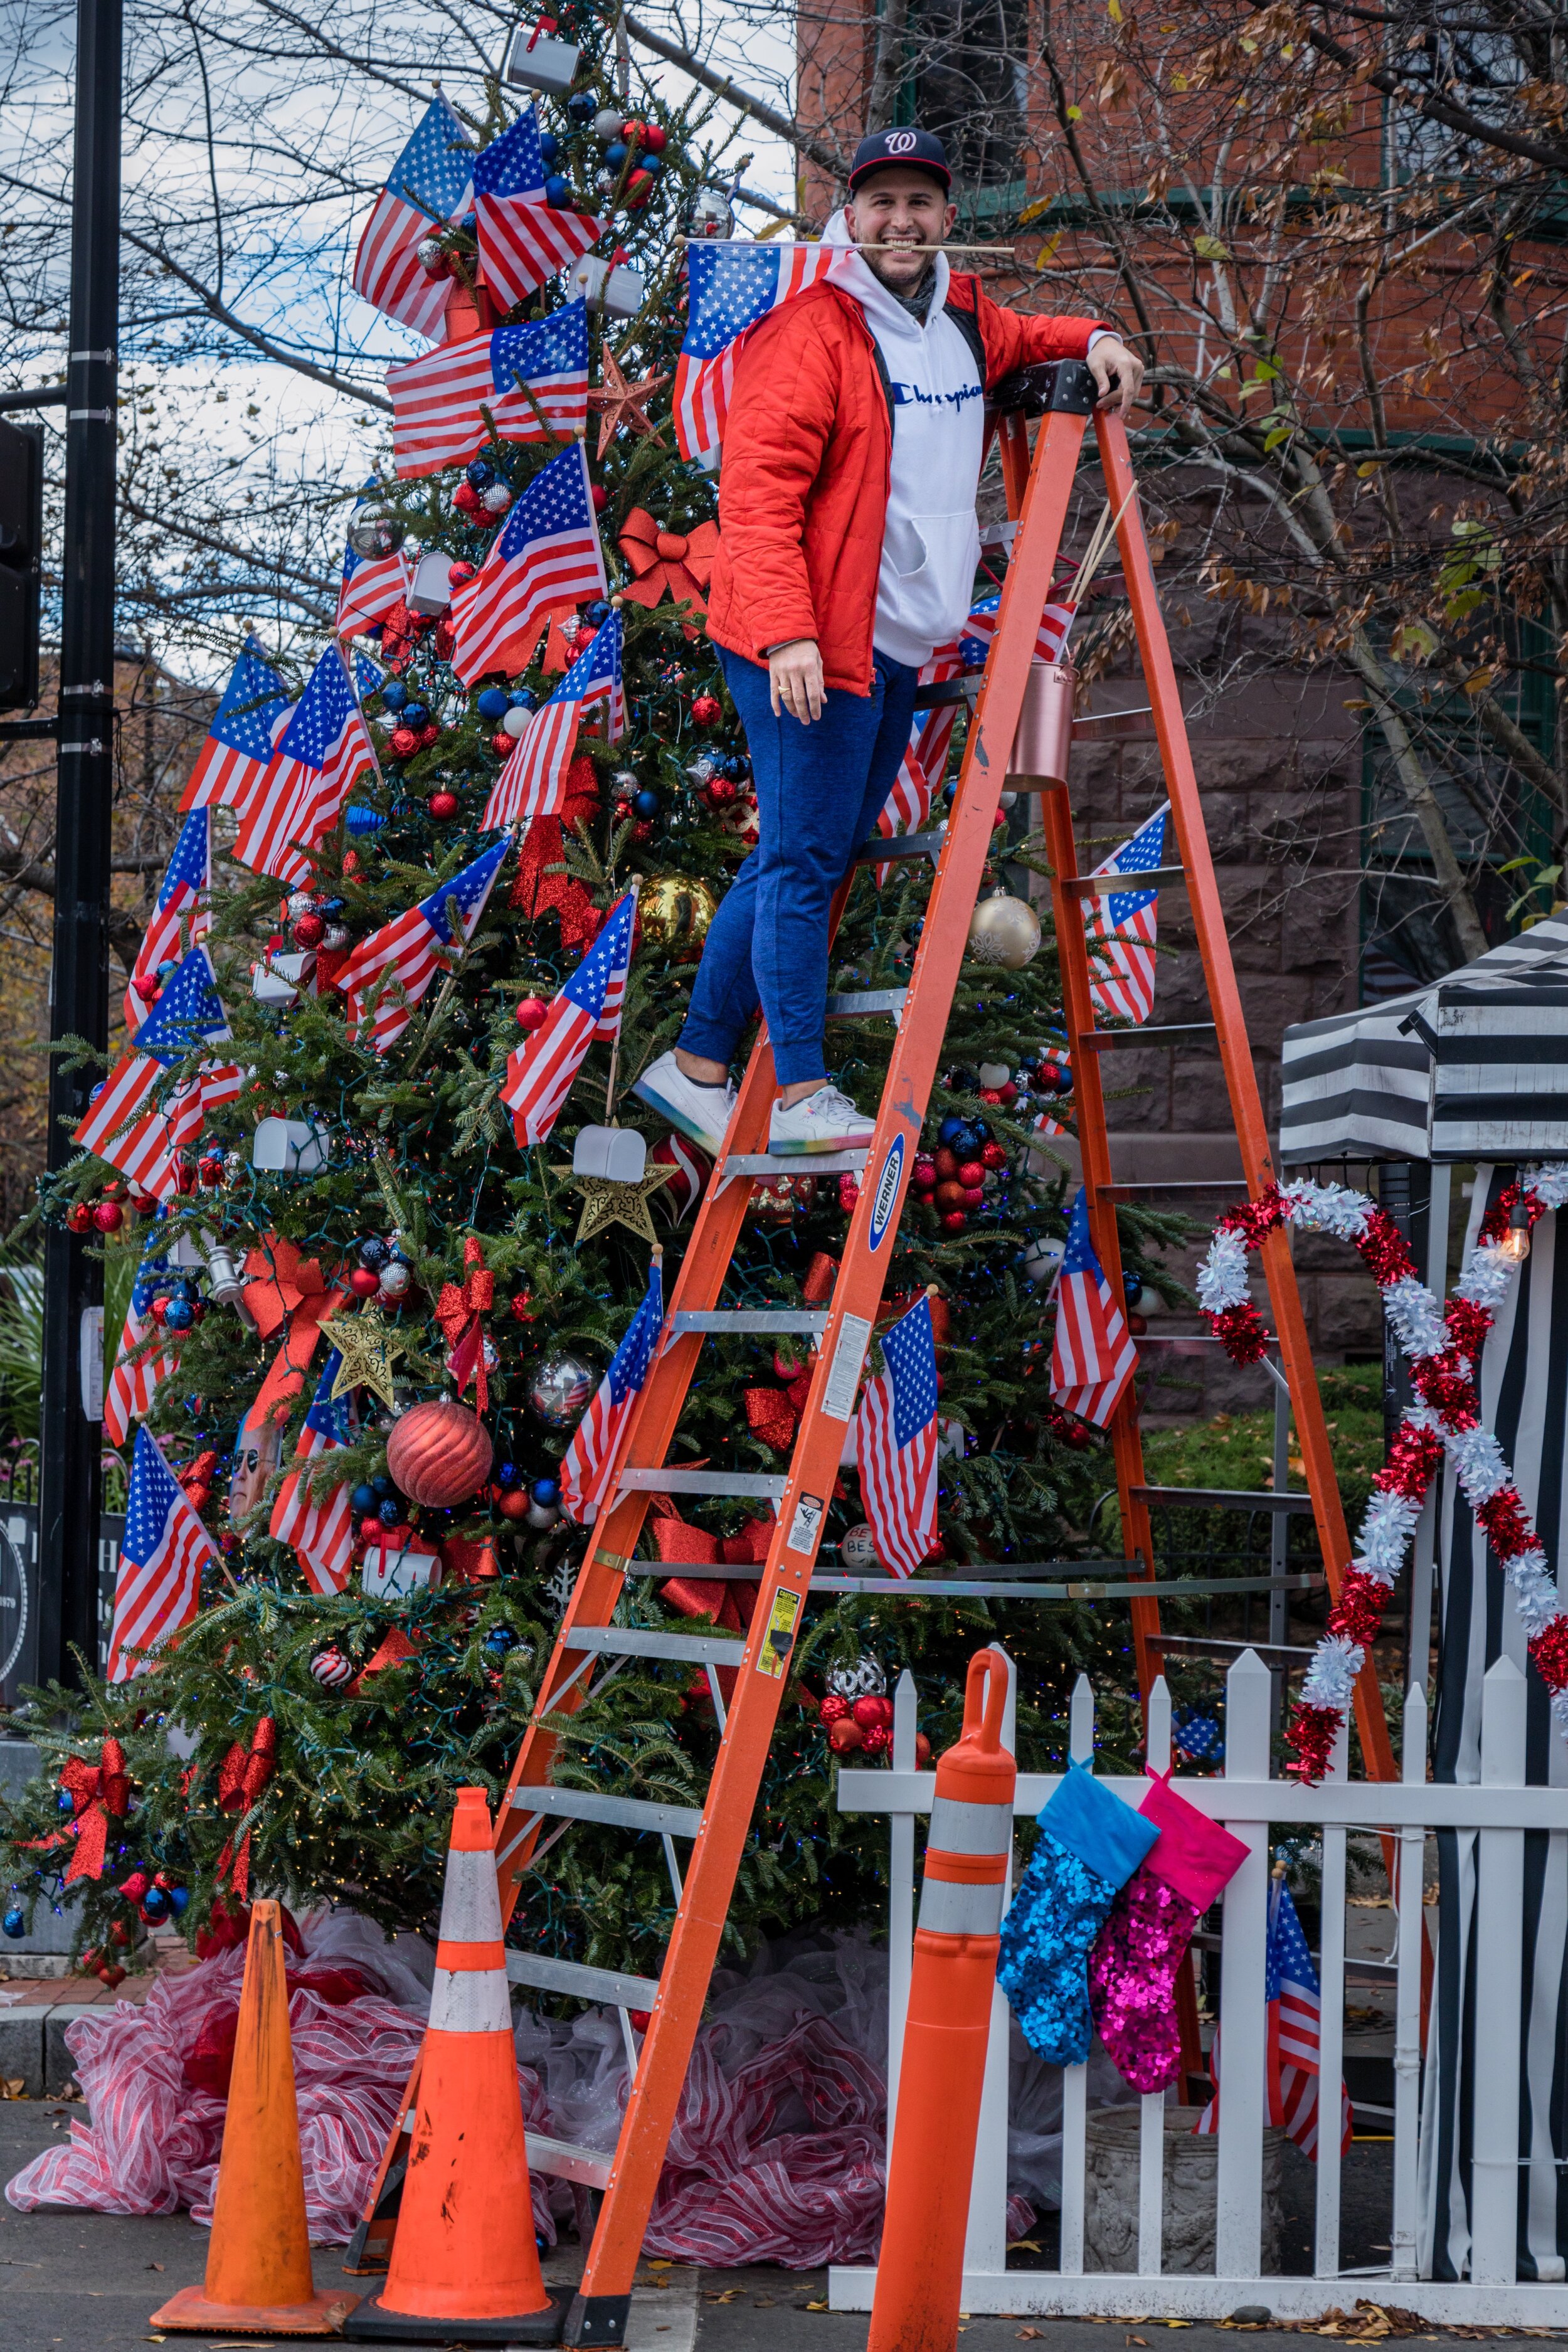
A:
[920,2270]
[465,2266]
[258,2261]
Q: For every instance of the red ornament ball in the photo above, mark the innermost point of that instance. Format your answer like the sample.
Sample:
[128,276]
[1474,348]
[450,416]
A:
[849,1193]
[872,1712]
[706,711]
[309,930]
[403,743]
[467,500]
[459,574]
[443,807]
[515,1505]
[845,1736]
[429,735]
[971,1172]
[439,1454]
[722,791]
[503,743]
[364,1282]
[638,189]
[522,1308]
[973,1196]
[654,137]
[147,988]
[532,1013]
[954,1222]
[876,1741]
[601,498]
[994,1155]
[922,1751]
[371,1530]
[924,1174]
[833,1708]
[1137,1325]
[109,1216]
[79,1218]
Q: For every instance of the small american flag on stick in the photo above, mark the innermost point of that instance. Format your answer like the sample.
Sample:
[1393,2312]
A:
[732,286]
[181,917]
[1123,924]
[429,184]
[590,1457]
[243,735]
[534,780]
[1093,1357]
[1295,2002]
[436,399]
[540,1076]
[896,1444]
[523,239]
[157,1588]
[324,748]
[137,1365]
[545,555]
[136,1123]
[401,959]
[320,1524]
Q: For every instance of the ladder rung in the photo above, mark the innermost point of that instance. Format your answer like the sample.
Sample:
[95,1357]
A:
[1223,1498]
[1169,1184]
[589,2167]
[1105,885]
[858,1006]
[807,1323]
[900,845]
[791,1163]
[622,1813]
[1107,1041]
[633,1641]
[1171,1588]
[756,1486]
[582,1983]
[947,691]
[1102,717]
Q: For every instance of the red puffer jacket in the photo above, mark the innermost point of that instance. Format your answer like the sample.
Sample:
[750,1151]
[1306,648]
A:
[803,496]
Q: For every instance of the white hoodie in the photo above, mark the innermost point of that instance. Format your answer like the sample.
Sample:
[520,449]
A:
[930,542]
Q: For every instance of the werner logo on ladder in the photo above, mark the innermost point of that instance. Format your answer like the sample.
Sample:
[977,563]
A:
[749,1139]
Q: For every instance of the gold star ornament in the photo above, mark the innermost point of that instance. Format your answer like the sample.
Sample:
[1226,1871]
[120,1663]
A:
[607,1203]
[368,1348]
[619,402]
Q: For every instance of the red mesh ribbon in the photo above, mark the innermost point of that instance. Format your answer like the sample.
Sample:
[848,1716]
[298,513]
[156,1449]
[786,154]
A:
[1549,1651]
[773,1414]
[458,1310]
[820,1276]
[395,1647]
[681,562]
[535,889]
[1313,1733]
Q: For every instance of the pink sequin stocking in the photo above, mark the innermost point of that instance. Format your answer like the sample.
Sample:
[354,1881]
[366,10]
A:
[1132,1980]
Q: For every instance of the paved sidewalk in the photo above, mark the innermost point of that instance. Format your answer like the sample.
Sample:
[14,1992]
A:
[87,2283]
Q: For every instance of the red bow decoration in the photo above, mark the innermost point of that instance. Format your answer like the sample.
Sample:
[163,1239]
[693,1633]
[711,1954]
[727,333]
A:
[242,1777]
[283,1289]
[775,1413]
[100,1792]
[458,1312]
[680,561]
[395,1648]
[542,880]
[727,1601]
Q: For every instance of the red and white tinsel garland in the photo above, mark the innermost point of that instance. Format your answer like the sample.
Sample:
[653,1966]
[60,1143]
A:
[1443,1346]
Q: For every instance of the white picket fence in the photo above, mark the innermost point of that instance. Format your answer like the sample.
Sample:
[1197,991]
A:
[1501,1809]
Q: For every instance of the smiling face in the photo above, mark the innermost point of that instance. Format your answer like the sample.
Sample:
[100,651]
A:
[893,213]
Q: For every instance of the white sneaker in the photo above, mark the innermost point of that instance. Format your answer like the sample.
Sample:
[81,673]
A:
[700,1112]
[824,1121]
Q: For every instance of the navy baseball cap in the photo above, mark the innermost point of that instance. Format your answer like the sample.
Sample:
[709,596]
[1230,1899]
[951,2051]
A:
[921,151]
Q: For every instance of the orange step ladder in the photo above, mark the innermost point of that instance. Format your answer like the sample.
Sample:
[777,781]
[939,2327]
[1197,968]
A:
[533,1812]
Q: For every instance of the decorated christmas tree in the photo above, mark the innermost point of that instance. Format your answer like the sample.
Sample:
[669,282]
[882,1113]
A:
[392,1201]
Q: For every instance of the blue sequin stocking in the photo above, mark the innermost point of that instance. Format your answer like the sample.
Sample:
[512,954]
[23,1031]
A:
[1059,1910]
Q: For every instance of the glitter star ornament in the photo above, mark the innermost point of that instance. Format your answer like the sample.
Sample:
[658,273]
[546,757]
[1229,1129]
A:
[369,1348]
[607,1203]
[620,402]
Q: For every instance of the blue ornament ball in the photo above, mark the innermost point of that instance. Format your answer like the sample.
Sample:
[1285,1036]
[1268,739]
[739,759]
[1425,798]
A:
[509,1475]
[493,704]
[14,1923]
[646,804]
[374,1253]
[389,1513]
[549,146]
[557,191]
[480,473]
[1132,1288]
[581,107]
[381,1485]
[415,714]
[499,1640]
[395,694]
[521,698]
[544,1492]
[362,821]
[364,1499]
[179,1900]
[596,613]
[615,154]
[65,1802]
[179,1314]
[965,1142]
[653,164]
[949,1132]
[155,1903]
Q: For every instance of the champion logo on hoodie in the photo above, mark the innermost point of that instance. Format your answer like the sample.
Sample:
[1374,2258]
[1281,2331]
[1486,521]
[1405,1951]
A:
[911,395]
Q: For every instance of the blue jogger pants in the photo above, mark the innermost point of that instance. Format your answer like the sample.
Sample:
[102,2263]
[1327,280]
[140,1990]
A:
[820,790]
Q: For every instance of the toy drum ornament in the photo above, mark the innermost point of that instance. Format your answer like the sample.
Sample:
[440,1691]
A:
[1044,739]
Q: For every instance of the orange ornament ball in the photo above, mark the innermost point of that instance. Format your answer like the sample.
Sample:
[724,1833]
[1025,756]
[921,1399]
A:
[439,1454]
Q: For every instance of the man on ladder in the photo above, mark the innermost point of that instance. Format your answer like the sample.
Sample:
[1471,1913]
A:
[848,549]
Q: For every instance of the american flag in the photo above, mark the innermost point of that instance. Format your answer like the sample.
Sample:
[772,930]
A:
[896,1444]
[924,768]
[325,747]
[371,585]
[1093,1357]
[1120,929]
[1295,2019]
[321,1527]
[159,1583]
[731,287]
[1050,643]
[430,183]
[127,1125]
[546,554]
[405,954]
[436,398]
[182,898]
[243,734]
[522,239]
[540,1075]
[534,780]
[368,679]
[585,1470]
[134,1380]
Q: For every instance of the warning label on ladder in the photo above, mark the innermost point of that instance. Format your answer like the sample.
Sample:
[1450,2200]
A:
[779,1640]
[844,1372]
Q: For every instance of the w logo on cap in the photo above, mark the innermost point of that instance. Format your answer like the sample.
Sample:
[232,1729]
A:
[922,149]
[900,143]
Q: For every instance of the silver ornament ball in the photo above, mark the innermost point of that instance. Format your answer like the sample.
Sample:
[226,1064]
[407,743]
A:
[373,530]
[560,1388]
[710,215]
[395,1279]
[300,902]
[607,125]
[864,1679]
[514,722]
[497,497]
[431,256]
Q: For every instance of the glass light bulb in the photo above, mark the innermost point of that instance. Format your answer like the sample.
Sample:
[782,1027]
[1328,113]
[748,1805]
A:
[1516,1242]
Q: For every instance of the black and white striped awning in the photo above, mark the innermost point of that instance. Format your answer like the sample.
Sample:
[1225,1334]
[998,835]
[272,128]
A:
[1474,1067]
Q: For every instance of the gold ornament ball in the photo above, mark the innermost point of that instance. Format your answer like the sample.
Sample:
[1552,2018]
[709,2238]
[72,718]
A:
[1004,932]
[676,911]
